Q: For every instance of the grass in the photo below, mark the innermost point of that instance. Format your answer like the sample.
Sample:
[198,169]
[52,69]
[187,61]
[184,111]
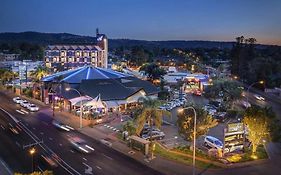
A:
[199,153]
[180,158]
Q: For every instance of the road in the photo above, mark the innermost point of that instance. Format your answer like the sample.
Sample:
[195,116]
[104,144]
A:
[103,160]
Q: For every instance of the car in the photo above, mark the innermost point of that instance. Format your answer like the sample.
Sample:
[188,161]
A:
[15,129]
[147,130]
[17,100]
[48,161]
[80,145]
[220,116]
[162,107]
[156,135]
[246,104]
[24,103]
[258,97]
[61,126]
[213,142]
[33,107]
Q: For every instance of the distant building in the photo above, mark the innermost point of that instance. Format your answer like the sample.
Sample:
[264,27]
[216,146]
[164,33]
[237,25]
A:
[63,57]
[8,56]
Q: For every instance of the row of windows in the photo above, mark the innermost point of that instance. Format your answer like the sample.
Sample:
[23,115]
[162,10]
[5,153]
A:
[54,59]
[71,53]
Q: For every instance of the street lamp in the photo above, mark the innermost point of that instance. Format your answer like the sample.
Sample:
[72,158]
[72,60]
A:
[32,152]
[258,82]
[194,134]
[81,107]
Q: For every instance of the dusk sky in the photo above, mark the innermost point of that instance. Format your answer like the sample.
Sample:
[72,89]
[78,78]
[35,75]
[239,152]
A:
[220,20]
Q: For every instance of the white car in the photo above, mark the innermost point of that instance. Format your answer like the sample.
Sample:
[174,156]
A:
[246,104]
[33,107]
[213,142]
[80,145]
[258,97]
[17,100]
[25,103]
[61,125]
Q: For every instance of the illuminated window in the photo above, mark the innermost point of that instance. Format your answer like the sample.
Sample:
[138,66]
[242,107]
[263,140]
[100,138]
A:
[54,59]
[78,54]
[85,54]
[62,53]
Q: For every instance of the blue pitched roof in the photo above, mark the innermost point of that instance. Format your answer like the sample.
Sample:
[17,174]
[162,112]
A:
[84,73]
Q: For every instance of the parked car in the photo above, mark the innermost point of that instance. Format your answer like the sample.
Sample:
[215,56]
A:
[258,97]
[220,116]
[61,126]
[33,107]
[246,104]
[147,130]
[24,103]
[80,145]
[213,142]
[17,100]
[156,135]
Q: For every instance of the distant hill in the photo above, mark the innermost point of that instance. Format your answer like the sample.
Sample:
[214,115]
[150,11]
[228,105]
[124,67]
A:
[66,38]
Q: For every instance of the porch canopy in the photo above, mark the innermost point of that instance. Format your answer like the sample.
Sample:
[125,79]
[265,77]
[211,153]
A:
[77,100]
[95,103]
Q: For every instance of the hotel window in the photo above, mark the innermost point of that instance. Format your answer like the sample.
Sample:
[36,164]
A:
[78,54]
[86,54]
[62,59]
[77,59]
[93,54]
[54,59]
[62,53]
[47,59]
[70,59]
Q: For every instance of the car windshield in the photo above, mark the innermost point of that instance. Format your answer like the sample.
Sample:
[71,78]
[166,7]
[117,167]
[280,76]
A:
[218,143]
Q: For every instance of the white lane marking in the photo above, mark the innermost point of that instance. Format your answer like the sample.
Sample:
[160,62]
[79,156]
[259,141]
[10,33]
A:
[110,158]
[42,133]
[20,112]
[98,167]
[60,144]
[71,151]
[34,128]
[88,170]
[50,138]
[84,159]
[24,111]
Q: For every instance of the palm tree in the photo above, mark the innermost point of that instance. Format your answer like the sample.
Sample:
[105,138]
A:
[37,75]
[150,114]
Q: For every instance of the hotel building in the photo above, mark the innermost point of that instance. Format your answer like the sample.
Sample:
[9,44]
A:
[63,57]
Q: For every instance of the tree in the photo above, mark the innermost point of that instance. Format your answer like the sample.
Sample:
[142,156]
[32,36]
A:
[39,73]
[130,128]
[227,89]
[153,71]
[203,123]
[257,122]
[6,76]
[150,114]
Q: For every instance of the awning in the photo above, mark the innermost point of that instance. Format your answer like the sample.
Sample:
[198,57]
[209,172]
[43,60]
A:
[111,104]
[95,103]
[76,100]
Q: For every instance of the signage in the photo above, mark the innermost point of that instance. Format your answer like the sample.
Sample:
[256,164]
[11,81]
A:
[234,137]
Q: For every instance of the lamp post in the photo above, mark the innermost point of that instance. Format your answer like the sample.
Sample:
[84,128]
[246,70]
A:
[32,152]
[81,107]
[258,82]
[194,135]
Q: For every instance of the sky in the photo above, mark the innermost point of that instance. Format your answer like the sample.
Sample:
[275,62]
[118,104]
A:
[216,20]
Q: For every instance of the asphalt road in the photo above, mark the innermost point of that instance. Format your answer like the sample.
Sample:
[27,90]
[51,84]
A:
[103,160]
